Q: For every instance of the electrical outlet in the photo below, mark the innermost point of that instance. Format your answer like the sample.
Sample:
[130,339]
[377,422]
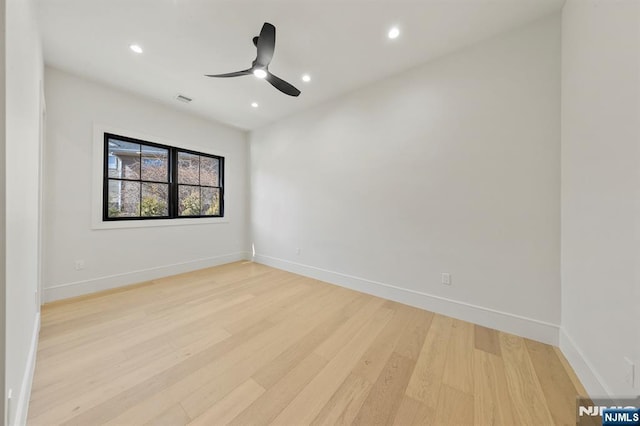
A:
[79,265]
[629,372]
[446,278]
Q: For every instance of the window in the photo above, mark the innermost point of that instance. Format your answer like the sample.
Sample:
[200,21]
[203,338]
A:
[145,180]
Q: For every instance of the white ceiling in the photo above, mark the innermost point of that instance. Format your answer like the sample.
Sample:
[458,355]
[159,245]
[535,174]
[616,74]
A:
[341,44]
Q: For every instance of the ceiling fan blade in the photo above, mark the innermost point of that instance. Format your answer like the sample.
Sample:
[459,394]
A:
[266,45]
[282,85]
[231,74]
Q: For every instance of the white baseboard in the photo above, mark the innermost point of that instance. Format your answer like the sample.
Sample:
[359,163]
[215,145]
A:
[79,288]
[511,323]
[22,404]
[591,380]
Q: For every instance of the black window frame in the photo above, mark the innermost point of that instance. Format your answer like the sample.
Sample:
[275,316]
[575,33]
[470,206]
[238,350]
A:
[172,164]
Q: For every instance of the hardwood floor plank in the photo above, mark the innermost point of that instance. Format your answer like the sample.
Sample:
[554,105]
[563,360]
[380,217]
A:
[212,382]
[572,374]
[247,344]
[377,355]
[426,380]
[385,396]
[556,385]
[174,416]
[486,339]
[407,411]
[308,403]
[88,392]
[491,395]
[273,372]
[101,374]
[264,409]
[244,365]
[529,405]
[454,407]
[130,329]
[161,323]
[458,368]
[126,391]
[230,406]
[285,337]
[412,412]
[345,332]
[412,338]
[159,334]
[271,305]
[161,293]
[345,403]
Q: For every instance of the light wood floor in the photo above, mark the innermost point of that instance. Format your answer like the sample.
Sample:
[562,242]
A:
[246,344]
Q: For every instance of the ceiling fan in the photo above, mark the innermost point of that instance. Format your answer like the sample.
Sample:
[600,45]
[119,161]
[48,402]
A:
[265,43]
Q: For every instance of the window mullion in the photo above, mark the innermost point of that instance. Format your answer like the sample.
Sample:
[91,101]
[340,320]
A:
[140,181]
[176,185]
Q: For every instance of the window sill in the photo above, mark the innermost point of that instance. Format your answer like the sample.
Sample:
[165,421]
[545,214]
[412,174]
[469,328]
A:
[123,224]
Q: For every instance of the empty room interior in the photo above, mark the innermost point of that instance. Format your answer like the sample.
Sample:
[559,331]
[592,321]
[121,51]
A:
[303,212]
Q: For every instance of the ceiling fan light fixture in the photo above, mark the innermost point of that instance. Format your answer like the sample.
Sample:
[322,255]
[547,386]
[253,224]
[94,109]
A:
[265,44]
[393,33]
[260,73]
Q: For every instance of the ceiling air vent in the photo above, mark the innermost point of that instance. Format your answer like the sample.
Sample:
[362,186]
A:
[183,98]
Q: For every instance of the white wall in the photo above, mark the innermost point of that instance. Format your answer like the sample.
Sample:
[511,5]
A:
[3,275]
[23,82]
[600,184]
[114,257]
[449,167]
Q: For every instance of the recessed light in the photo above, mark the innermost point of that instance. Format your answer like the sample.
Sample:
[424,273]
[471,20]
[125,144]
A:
[306,78]
[393,33]
[254,104]
[136,48]
[260,73]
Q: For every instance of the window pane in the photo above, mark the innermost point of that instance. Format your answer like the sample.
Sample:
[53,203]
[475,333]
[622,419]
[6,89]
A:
[155,199]
[209,170]
[124,199]
[114,166]
[188,168]
[188,200]
[127,156]
[155,164]
[210,201]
